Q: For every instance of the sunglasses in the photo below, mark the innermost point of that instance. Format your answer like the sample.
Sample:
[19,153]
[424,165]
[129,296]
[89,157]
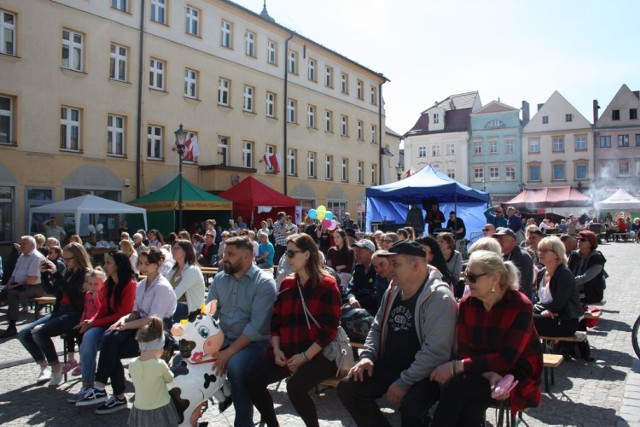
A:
[472,278]
[291,254]
[583,239]
[486,229]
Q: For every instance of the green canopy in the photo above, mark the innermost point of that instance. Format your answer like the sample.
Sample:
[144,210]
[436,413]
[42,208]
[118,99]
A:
[193,198]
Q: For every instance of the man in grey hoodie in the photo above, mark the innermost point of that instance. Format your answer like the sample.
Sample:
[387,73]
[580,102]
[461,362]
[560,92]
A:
[413,332]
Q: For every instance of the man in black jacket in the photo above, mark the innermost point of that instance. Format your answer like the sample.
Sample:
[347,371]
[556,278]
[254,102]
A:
[519,256]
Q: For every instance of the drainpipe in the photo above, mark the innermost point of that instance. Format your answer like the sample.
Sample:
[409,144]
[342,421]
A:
[139,103]
[286,100]
[380,130]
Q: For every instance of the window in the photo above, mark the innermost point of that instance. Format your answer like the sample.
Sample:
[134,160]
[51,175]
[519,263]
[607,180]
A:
[223,150]
[192,21]
[344,174]
[35,196]
[373,91]
[291,110]
[605,141]
[360,172]
[344,125]
[223,92]
[494,173]
[633,114]
[509,146]
[7,33]
[70,129]
[477,147]
[328,167]
[247,154]
[312,70]
[247,98]
[422,151]
[292,163]
[154,142]
[311,116]
[493,147]
[582,171]
[435,150]
[115,135]
[623,168]
[272,49]
[509,173]
[225,34]
[7,200]
[328,76]
[337,207]
[190,83]
[269,152]
[292,62]
[6,120]
[374,134]
[311,164]
[451,173]
[615,115]
[121,5]
[158,11]
[558,172]
[374,174]
[359,126]
[568,117]
[359,89]
[436,118]
[250,43]
[534,146]
[344,83]
[623,140]
[156,74]
[534,172]
[270,104]
[637,139]
[478,174]
[118,63]
[545,120]
[328,121]
[557,144]
[72,45]
[450,149]
[581,143]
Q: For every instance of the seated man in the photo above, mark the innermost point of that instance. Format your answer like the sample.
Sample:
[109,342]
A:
[413,333]
[360,292]
[265,251]
[519,256]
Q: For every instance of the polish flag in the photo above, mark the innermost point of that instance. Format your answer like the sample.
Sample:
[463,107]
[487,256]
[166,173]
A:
[267,160]
[191,150]
[275,162]
[410,172]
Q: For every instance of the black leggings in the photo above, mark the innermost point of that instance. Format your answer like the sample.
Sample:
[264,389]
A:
[463,402]
[550,327]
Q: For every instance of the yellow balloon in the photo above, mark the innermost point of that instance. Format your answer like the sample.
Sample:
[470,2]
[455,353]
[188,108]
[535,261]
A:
[320,215]
[321,208]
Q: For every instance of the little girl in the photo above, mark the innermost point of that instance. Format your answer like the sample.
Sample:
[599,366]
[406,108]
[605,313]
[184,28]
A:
[150,375]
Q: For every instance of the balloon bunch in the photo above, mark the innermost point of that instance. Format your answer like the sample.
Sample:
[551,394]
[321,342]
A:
[323,215]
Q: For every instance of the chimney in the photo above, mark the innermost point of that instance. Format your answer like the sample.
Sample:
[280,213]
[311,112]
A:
[540,106]
[596,107]
[525,113]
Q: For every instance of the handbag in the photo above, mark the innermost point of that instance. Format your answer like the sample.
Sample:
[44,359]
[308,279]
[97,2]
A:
[339,350]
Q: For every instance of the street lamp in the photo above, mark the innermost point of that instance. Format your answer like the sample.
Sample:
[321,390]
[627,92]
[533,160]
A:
[399,172]
[181,136]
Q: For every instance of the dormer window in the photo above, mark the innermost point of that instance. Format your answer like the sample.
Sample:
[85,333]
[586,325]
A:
[436,118]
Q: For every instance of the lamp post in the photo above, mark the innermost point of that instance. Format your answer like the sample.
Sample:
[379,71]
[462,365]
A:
[399,172]
[181,136]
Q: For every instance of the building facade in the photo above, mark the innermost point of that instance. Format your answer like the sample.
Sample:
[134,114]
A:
[92,99]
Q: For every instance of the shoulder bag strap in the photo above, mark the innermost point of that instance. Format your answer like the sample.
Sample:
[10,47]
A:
[307,314]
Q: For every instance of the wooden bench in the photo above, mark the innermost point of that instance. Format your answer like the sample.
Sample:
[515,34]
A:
[550,362]
[622,236]
[46,302]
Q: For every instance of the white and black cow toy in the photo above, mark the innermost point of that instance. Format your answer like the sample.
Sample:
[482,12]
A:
[195,382]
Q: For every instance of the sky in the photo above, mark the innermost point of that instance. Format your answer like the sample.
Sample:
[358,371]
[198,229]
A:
[514,50]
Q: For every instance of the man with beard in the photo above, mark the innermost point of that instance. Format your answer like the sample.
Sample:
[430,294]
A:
[245,295]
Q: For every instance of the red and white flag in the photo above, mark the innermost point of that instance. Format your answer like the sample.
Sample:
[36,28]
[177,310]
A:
[191,150]
[275,162]
[267,161]
[410,172]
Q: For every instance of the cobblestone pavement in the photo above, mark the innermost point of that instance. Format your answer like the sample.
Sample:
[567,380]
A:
[605,392]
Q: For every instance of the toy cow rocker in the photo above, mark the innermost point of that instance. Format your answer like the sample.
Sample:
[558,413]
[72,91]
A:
[194,381]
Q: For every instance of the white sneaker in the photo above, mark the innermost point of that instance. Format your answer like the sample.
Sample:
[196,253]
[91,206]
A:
[45,375]
[56,378]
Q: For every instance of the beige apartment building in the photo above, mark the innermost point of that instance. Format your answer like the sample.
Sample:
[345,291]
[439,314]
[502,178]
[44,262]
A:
[91,93]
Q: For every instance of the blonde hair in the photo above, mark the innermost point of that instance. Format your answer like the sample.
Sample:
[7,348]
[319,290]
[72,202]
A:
[491,262]
[98,273]
[126,247]
[486,244]
[555,245]
[40,239]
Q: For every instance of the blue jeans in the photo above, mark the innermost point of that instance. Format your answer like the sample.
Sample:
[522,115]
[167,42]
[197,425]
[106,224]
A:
[237,369]
[91,341]
[39,344]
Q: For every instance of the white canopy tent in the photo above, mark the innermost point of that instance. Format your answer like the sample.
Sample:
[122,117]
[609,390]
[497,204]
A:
[88,204]
[620,200]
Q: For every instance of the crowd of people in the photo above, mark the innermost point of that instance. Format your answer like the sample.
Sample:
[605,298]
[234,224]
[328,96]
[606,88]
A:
[444,329]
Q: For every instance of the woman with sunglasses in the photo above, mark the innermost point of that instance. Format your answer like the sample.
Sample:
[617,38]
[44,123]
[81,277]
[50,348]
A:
[587,265]
[297,340]
[558,310]
[496,336]
[387,240]
[186,279]
[66,313]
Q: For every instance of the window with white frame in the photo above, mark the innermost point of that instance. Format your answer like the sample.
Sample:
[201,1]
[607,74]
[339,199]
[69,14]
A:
[534,172]
[250,43]
[374,174]
[118,62]
[247,154]
[224,86]
[156,74]
[509,146]
[494,173]
[344,83]
[311,116]
[7,33]
[328,167]
[436,118]
[311,164]
[623,140]
[582,171]
[534,146]
[225,34]
[271,104]
[344,175]
[311,70]
[435,150]
[192,19]
[292,106]
[422,151]
[360,172]
[292,155]
[451,173]
[360,89]
[450,149]
[509,173]
[624,168]
[190,83]
[328,121]
[477,147]
[154,142]
[359,131]
[159,11]
[272,52]
[247,98]
[328,76]
[6,119]
[223,150]
[344,125]
[478,174]
[557,144]
[70,129]
[493,146]
[121,5]
[270,150]
[581,143]
[374,134]
[115,135]
[72,50]
[373,92]
[292,62]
